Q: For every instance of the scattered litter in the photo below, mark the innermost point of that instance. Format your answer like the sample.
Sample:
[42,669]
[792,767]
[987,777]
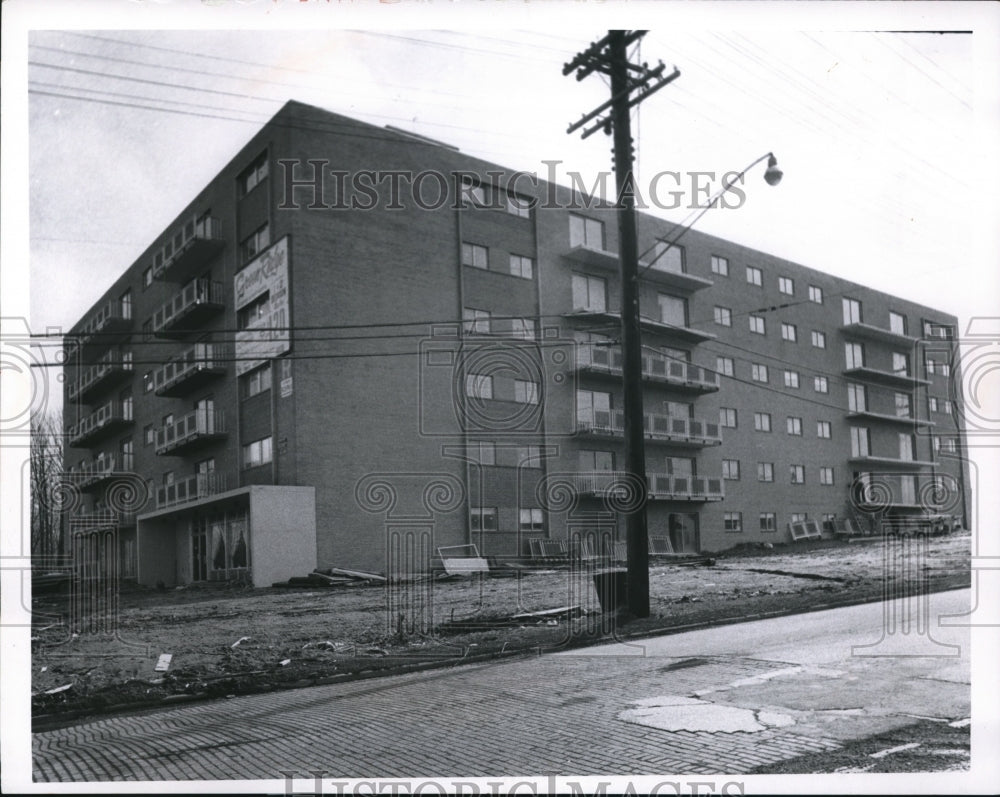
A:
[43,669]
[546,614]
[377,651]
[163,663]
[891,750]
[284,662]
[462,560]
[239,642]
[58,689]
[157,681]
[374,577]
[960,723]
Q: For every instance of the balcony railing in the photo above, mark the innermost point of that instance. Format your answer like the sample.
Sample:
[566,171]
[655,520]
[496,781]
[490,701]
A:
[113,367]
[602,258]
[195,366]
[191,247]
[201,485]
[655,367]
[112,415]
[859,329]
[658,428]
[904,420]
[903,491]
[198,426]
[603,317]
[101,518]
[198,300]
[891,378]
[889,462]
[105,466]
[103,328]
[662,487]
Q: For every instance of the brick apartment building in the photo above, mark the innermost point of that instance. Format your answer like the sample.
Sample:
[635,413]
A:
[279,383]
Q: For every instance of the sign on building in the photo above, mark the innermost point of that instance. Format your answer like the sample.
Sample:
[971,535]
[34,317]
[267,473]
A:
[261,296]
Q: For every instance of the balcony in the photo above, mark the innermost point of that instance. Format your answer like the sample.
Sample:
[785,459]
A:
[89,475]
[111,369]
[903,420]
[190,431]
[662,487]
[607,318]
[657,428]
[600,258]
[201,485]
[189,250]
[112,415]
[198,301]
[900,491]
[104,328]
[103,518]
[859,329]
[889,462]
[607,360]
[889,378]
[198,365]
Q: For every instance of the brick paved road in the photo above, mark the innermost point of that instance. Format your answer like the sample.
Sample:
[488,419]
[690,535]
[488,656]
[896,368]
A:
[738,697]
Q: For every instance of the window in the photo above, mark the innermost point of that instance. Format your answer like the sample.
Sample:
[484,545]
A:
[720,266]
[755,276]
[936,443]
[852,311]
[589,403]
[529,456]
[857,397]
[673,309]
[148,434]
[820,384]
[147,329]
[791,379]
[586,232]
[945,369]
[521,266]
[126,304]
[589,293]
[826,476]
[255,243]
[147,277]
[897,323]
[818,339]
[252,176]
[757,324]
[530,520]
[475,255]
[902,402]
[860,441]
[724,365]
[727,417]
[768,521]
[793,426]
[815,294]
[525,392]
[125,398]
[257,453]
[798,517]
[946,407]
[597,460]
[250,314]
[483,518]
[906,442]
[474,190]
[900,363]
[723,316]
[949,445]
[797,474]
[731,469]
[483,452]
[518,206]
[758,372]
[786,285]
[762,421]
[479,386]
[475,322]
[147,382]
[257,381]
[932,330]
[789,333]
[168,419]
[523,328]
[765,471]
[854,355]
[823,429]
[667,257]
[828,518]
[732,521]
[932,404]
[929,366]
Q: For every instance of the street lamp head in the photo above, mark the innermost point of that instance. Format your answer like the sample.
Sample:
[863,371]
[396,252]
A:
[773,174]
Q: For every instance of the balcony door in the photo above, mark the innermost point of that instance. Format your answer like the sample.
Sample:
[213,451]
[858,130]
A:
[205,415]
[682,528]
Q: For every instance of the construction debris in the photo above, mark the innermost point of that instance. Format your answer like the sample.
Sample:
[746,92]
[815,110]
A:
[163,663]
[549,614]
[462,560]
[239,642]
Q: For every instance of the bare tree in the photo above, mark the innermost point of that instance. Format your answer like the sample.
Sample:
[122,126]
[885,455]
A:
[50,491]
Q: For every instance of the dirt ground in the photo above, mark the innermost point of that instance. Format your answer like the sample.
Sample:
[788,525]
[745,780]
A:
[226,639]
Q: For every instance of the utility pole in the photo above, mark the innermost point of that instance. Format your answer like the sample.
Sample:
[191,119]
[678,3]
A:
[630,85]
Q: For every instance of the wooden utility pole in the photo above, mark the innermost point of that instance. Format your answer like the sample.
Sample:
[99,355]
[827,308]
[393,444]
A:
[630,84]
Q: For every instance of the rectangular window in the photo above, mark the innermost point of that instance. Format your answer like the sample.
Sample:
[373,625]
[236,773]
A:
[475,322]
[255,243]
[522,328]
[755,276]
[929,366]
[936,444]
[945,369]
[765,471]
[147,382]
[857,397]
[475,256]
[950,445]
[860,441]
[818,339]
[530,520]
[257,381]
[483,518]
[852,311]
[854,355]
[900,363]
[720,266]
[518,206]
[786,285]
[823,429]
[483,452]
[479,386]
[724,365]
[149,434]
[529,456]
[673,309]
[821,384]
[826,476]
[932,330]
[147,329]
[147,277]
[792,379]
[601,461]
[257,453]
[762,421]
[793,426]
[798,517]
[474,191]
[932,404]
[797,474]
[125,302]
[815,294]
[255,312]
[589,293]
[252,176]
[586,232]
[723,316]
[667,257]
[902,402]
[732,521]
[897,323]
[757,325]
[521,266]
[525,392]
[758,372]
[906,447]
[727,417]
[593,407]
[789,333]
[731,469]
[768,521]
[946,406]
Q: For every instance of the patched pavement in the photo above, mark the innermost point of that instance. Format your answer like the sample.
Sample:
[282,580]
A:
[724,700]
